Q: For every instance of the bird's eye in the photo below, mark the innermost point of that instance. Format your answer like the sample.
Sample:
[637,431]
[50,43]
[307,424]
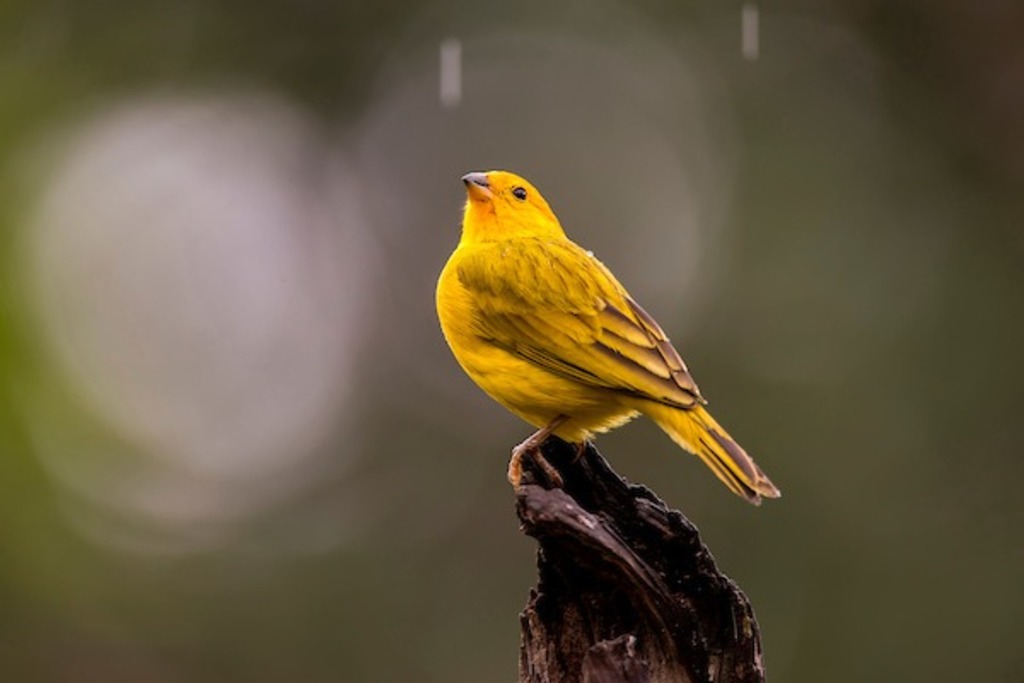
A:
[519,193]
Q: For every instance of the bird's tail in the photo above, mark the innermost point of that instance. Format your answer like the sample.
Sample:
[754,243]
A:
[695,430]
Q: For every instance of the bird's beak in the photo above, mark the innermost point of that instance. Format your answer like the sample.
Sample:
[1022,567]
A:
[477,186]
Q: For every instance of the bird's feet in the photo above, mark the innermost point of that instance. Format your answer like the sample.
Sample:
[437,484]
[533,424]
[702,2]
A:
[581,448]
[531,447]
[515,465]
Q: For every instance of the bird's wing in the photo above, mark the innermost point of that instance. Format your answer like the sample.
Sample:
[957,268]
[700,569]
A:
[555,305]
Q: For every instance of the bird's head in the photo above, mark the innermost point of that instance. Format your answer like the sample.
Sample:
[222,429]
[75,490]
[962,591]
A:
[501,205]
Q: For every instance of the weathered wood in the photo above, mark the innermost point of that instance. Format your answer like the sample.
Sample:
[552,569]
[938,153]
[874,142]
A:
[627,591]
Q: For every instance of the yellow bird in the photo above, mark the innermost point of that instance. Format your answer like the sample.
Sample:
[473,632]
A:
[548,332]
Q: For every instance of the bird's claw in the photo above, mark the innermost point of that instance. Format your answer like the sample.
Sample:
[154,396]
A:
[515,465]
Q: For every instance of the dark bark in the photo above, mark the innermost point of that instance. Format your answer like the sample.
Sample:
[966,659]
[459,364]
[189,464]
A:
[627,591]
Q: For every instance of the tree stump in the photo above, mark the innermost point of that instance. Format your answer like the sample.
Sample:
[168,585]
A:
[626,591]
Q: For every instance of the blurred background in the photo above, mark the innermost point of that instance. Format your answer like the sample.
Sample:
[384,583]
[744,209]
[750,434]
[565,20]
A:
[233,445]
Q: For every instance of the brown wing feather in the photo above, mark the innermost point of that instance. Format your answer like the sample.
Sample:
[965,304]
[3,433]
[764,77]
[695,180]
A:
[680,373]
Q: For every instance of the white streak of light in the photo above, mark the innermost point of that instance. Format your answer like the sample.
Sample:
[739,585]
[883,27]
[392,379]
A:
[750,32]
[451,72]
